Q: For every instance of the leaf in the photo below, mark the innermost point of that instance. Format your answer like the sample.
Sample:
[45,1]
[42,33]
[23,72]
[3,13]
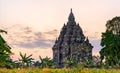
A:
[3,31]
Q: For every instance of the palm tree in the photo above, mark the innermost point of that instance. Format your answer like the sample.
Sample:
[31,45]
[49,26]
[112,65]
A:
[26,60]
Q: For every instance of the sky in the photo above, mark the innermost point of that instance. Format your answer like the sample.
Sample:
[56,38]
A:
[33,25]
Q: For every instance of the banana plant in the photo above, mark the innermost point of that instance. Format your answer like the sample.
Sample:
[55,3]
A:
[46,62]
[26,60]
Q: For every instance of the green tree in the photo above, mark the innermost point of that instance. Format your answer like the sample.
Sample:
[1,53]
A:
[111,43]
[4,51]
[26,60]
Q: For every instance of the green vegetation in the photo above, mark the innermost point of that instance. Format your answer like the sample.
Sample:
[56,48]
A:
[5,51]
[63,70]
[111,44]
[70,62]
[46,62]
[25,60]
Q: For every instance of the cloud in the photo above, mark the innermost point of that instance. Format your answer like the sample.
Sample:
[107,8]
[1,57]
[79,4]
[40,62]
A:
[36,43]
[92,35]
[94,38]
[97,47]
[52,32]
[26,37]
[27,30]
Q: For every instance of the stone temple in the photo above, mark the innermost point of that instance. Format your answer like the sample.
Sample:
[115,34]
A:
[71,42]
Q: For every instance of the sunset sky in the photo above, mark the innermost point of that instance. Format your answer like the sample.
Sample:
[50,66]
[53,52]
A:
[33,25]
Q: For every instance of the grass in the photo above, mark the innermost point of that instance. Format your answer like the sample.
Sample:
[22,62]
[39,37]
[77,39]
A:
[63,70]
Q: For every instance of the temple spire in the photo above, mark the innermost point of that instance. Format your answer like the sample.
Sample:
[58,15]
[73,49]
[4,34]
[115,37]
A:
[71,9]
[71,16]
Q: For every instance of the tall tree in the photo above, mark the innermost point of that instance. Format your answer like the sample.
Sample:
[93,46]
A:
[4,51]
[111,43]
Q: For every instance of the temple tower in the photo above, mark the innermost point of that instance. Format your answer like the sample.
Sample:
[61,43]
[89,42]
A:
[71,42]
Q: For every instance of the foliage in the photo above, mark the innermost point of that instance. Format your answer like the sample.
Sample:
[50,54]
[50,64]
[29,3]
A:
[46,62]
[89,64]
[4,51]
[96,61]
[70,62]
[63,70]
[37,64]
[26,60]
[110,53]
